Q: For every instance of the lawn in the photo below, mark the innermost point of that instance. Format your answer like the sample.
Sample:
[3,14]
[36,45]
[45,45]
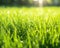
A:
[34,27]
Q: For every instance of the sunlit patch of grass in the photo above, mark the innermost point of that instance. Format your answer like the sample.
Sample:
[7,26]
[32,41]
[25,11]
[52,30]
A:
[29,27]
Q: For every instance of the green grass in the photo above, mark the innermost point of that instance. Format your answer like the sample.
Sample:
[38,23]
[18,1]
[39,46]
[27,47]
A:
[30,27]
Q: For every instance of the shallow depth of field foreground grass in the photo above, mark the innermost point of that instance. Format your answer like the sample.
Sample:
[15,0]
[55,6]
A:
[30,27]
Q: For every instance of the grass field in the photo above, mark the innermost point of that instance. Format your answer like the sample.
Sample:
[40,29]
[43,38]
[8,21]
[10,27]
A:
[30,27]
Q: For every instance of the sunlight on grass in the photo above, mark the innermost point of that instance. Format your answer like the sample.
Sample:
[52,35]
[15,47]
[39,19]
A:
[29,27]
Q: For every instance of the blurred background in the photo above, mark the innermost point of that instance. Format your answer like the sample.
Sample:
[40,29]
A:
[30,2]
